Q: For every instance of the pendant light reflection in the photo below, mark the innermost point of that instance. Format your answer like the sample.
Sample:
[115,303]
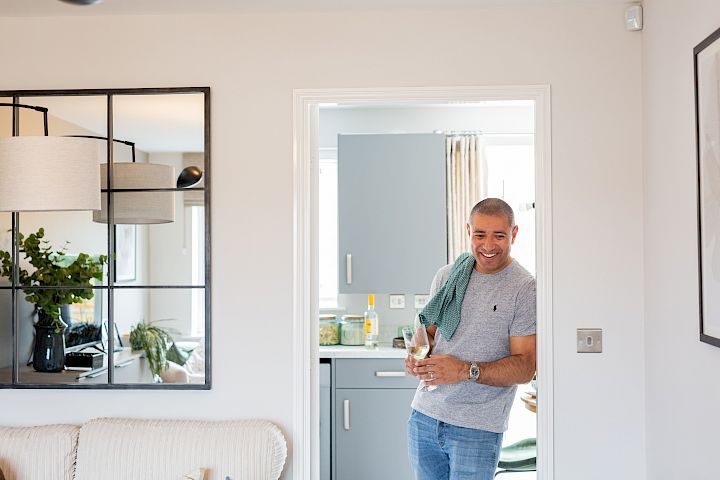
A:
[48,174]
[189,177]
[138,208]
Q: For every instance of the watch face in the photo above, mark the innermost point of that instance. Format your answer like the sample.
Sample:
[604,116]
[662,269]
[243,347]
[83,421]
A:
[474,371]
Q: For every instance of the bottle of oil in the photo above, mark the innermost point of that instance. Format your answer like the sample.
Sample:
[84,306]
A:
[371,324]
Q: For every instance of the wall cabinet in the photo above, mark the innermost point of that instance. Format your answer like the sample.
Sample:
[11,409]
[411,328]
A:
[372,400]
[392,227]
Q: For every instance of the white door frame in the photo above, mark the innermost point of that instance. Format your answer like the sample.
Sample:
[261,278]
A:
[306,105]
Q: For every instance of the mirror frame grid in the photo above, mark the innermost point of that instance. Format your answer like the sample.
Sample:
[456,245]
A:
[110,287]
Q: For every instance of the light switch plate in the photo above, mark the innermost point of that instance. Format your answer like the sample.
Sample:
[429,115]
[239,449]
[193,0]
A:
[397,301]
[421,301]
[589,340]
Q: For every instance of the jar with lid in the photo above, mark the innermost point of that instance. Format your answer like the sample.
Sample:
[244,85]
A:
[352,330]
[329,330]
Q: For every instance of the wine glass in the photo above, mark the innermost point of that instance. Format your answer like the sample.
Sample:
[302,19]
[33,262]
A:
[417,346]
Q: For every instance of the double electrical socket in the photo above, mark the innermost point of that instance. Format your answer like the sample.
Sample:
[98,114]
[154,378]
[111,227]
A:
[398,301]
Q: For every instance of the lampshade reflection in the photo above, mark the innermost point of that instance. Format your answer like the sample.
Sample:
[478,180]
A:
[150,207]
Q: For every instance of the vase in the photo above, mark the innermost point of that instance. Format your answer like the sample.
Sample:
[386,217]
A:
[49,350]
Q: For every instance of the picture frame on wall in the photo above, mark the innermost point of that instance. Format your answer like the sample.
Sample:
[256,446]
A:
[125,245]
[707,136]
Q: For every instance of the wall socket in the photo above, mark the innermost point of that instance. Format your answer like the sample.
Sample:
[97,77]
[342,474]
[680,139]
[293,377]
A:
[421,301]
[589,340]
[397,301]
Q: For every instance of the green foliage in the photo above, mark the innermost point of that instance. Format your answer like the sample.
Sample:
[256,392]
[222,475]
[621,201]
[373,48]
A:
[53,269]
[156,342]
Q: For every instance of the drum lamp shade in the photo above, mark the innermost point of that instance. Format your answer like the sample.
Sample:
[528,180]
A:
[49,174]
[134,207]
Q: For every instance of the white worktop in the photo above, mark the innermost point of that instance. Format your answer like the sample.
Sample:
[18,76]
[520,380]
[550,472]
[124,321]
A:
[345,351]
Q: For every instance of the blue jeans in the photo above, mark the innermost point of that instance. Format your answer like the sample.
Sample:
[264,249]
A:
[440,451]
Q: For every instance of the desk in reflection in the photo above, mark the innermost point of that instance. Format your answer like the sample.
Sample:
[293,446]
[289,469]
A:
[130,367]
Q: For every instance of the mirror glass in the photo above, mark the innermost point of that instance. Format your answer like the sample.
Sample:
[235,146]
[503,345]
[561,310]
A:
[152,242]
[6,350]
[180,312]
[85,337]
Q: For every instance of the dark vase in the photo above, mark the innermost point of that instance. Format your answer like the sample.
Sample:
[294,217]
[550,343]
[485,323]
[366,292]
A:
[49,351]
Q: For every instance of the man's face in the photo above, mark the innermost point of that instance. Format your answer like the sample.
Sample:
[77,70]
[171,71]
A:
[491,237]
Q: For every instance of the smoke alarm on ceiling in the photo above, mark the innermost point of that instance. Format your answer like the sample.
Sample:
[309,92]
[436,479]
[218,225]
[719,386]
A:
[634,18]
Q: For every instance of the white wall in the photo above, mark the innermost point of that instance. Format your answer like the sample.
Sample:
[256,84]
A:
[254,62]
[681,382]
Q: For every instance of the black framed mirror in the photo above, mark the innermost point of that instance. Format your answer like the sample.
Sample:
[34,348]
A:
[131,277]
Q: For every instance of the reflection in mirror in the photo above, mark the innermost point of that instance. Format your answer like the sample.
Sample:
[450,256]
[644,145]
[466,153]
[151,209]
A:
[167,129]
[69,234]
[159,233]
[78,349]
[5,244]
[67,115]
[6,336]
[168,316]
[6,118]
[168,253]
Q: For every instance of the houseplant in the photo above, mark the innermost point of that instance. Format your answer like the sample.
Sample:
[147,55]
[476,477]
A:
[52,268]
[156,342]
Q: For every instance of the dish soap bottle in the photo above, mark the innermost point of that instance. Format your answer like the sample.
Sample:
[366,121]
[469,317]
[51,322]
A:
[371,324]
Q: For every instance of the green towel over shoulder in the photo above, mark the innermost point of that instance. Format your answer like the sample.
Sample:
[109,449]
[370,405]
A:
[443,309]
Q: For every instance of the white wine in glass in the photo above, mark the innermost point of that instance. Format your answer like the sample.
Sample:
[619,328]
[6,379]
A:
[417,346]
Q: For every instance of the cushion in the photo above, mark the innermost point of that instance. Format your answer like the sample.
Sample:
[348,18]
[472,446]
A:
[174,374]
[38,453]
[198,474]
[120,449]
[179,354]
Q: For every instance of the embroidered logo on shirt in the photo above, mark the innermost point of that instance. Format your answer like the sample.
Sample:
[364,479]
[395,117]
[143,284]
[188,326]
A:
[495,308]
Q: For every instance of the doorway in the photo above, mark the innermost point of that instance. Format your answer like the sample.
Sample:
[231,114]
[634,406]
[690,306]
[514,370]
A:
[308,104]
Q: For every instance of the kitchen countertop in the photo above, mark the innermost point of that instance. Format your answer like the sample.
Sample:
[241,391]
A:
[345,351]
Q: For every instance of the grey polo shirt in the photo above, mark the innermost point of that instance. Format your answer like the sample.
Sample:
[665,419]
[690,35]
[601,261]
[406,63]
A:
[496,306]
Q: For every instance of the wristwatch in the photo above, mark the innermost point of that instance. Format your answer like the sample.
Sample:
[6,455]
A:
[474,372]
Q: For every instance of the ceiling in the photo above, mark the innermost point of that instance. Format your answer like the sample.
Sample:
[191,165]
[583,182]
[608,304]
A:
[34,8]
[155,123]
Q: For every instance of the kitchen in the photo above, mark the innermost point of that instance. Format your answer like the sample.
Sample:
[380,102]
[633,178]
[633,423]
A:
[386,224]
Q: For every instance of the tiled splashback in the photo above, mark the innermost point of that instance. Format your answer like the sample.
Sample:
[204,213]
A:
[389,318]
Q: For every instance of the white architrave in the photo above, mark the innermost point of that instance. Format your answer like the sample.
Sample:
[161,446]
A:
[305,435]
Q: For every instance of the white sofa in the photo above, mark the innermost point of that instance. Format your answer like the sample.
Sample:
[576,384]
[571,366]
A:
[124,449]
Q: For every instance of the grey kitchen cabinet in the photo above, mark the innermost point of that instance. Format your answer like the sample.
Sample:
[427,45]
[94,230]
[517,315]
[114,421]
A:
[392,220]
[325,421]
[372,406]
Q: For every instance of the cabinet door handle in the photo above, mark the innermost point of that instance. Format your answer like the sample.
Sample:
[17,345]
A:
[389,374]
[348,268]
[346,415]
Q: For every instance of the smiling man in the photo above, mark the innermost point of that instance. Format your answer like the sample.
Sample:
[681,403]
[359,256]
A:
[482,319]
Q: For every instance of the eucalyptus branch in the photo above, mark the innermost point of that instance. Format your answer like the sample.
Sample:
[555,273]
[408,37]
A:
[50,270]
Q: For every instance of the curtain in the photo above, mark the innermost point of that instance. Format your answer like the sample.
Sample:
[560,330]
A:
[466,177]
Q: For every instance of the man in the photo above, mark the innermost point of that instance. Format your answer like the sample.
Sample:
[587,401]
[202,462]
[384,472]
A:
[481,317]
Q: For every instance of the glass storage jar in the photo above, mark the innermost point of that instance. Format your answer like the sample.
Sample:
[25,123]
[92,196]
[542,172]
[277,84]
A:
[352,330]
[329,330]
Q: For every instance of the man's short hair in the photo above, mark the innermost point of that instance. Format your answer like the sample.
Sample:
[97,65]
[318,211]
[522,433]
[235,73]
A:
[495,207]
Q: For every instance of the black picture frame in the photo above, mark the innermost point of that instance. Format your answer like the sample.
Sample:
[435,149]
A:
[706,61]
